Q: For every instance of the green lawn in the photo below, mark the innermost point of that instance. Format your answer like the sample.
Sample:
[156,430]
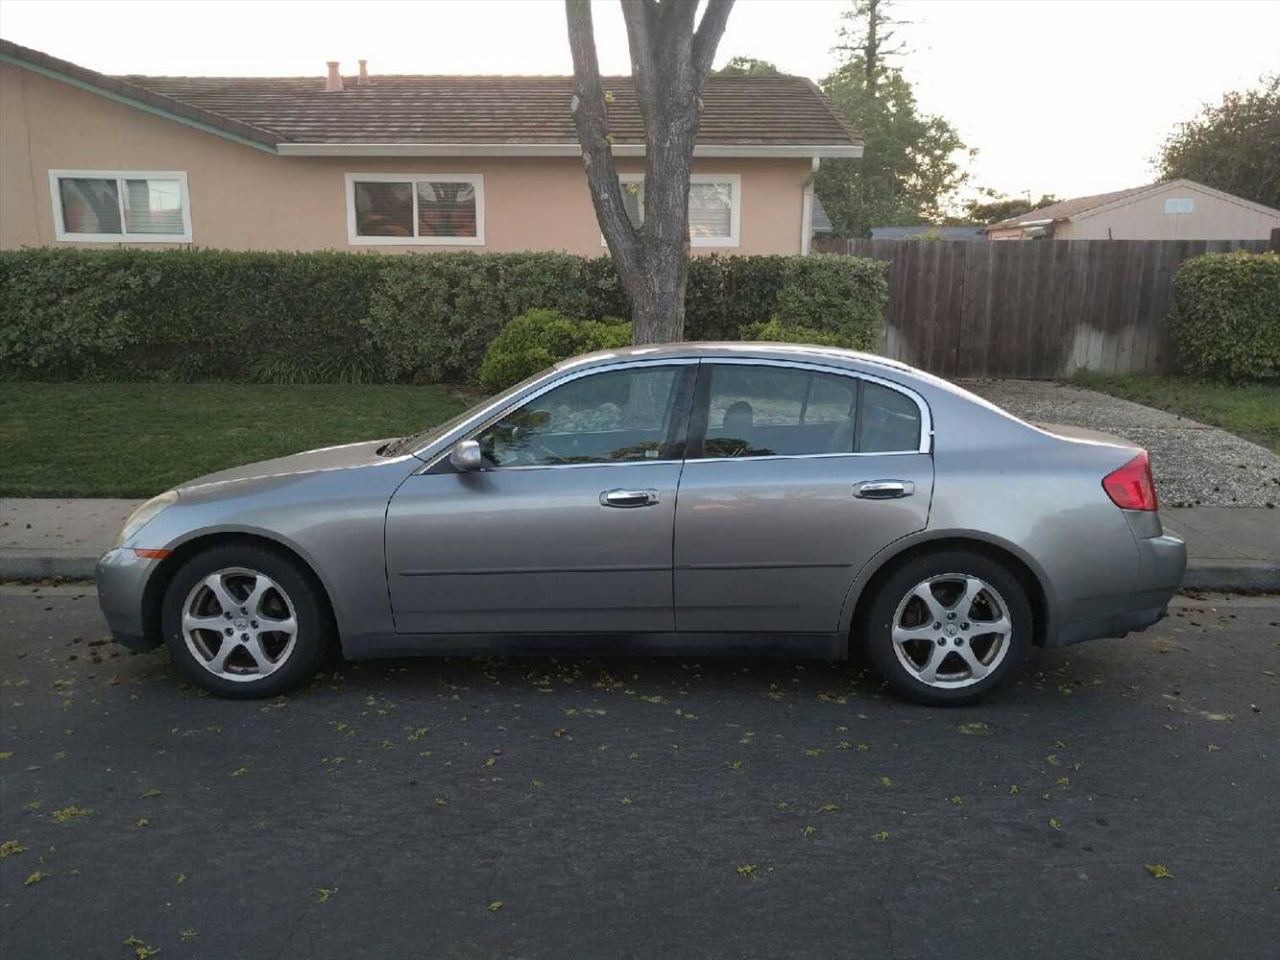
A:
[1250,410]
[137,439]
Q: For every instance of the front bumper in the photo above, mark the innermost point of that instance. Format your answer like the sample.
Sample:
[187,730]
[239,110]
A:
[122,578]
[1162,563]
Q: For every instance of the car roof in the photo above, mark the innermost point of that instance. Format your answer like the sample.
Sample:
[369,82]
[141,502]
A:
[740,349]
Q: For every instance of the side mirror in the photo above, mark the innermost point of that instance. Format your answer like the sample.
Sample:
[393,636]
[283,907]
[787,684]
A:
[465,456]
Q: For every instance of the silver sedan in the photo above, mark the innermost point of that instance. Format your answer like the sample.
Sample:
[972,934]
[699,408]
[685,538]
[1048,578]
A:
[692,498]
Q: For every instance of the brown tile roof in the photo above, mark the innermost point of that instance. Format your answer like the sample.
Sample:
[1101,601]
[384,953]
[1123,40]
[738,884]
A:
[739,111]
[493,109]
[1066,209]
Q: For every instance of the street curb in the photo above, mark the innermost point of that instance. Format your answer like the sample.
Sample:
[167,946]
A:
[37,567]
[1218,575]
[1229,578]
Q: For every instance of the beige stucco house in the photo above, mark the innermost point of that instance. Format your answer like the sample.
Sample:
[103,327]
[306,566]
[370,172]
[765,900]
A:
[383,163]
[1173,210]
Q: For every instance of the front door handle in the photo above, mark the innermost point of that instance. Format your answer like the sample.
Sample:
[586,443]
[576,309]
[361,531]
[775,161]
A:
[884,489]
[628,498]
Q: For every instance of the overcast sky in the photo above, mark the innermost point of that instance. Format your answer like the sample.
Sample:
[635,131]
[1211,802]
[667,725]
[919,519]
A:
[1059,96]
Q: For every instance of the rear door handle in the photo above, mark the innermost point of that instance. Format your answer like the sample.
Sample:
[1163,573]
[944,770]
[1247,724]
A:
[884,489]
[629,498]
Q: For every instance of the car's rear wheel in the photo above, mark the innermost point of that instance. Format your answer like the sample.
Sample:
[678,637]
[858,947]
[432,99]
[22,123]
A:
[245,621]
[948,627]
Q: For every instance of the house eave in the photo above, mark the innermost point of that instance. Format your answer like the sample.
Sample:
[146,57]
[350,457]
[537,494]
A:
[159,108]
[796,150]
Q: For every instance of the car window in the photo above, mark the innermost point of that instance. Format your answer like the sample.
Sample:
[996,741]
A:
[778,411]
[890,421]
[609,417]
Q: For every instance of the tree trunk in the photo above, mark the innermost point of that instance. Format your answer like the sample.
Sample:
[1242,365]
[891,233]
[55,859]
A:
[669,63]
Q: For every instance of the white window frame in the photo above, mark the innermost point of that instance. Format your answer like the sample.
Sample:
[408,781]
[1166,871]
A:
[59,223]
[735,208]
[475,179]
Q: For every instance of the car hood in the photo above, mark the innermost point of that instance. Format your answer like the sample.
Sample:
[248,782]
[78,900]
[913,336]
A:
[344,457]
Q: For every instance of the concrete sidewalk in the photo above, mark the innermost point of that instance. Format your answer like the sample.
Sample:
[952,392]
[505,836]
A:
[1230,548]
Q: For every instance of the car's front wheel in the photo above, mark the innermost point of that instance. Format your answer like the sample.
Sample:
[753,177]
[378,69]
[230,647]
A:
[245,621]
[948,628]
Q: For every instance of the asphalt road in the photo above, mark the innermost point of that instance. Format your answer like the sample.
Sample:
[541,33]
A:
[637,809]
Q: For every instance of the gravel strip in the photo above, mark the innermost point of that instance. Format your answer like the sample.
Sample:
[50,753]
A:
[1194,464]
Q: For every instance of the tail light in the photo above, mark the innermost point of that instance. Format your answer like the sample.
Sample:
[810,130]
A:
[1131,487]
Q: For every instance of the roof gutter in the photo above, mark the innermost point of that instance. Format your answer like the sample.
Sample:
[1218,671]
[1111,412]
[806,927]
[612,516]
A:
[803,151]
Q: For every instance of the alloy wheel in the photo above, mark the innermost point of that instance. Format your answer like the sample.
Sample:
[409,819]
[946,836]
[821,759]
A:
[951,631]
[239,624]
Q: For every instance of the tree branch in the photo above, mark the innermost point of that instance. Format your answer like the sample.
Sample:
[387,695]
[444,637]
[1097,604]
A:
[640,17]
[591,119]
[707,39]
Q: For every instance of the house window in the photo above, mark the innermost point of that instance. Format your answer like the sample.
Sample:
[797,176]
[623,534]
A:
[120,206]
[445,209]
[715,202]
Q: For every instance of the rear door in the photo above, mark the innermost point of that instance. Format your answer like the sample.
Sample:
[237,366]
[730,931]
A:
[796,476]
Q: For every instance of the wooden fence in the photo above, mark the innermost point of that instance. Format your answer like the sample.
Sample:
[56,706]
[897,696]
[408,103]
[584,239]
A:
[1031,309]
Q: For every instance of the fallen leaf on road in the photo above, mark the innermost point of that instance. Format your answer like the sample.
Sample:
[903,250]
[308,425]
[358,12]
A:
[1158,871]
[71,813]
[10,847]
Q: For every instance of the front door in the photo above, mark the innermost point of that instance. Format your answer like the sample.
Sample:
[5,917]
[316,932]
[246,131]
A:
[567,530]
[796,477]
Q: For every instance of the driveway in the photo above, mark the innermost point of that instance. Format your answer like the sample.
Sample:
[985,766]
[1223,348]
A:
[639,808]
[1194,464]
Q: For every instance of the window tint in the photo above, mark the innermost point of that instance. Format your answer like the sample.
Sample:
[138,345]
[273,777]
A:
[890,421]
[610,417]
[766,411]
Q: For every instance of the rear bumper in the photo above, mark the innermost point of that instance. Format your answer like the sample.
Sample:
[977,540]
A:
[122,582]
[1162,564]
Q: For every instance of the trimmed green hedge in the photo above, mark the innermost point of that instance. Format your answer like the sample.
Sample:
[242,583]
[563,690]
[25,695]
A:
[191,315]
[1225,316]
[535,340]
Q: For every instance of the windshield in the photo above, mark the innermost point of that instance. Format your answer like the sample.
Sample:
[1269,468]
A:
[416,441]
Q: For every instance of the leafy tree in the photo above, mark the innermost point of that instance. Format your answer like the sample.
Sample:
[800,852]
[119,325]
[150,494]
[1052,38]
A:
[997,206]
[670,60]
[1233,146]
[908,172]
[867,33]
[748,67]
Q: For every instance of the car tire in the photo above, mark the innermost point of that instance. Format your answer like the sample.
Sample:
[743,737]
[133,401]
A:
[948,628]
[246,621]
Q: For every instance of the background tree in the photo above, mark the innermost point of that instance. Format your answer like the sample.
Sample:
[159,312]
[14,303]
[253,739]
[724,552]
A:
[670,60]
[868,33]
[997,206]
[1234,146]
[908,172]
[748,67]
